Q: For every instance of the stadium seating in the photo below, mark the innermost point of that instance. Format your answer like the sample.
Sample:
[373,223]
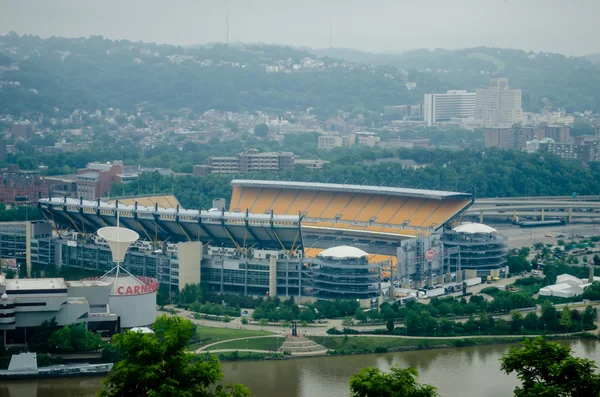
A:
[247,198]
[390,209]
[336,206]
[355,206]
[404,214]
[265,201]
[388,213]
[425,211]
[319,204]
[236,196]
[301,203]
[284,200]
[373,207]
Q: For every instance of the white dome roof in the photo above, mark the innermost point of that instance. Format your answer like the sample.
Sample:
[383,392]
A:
[343,252]
[474,228]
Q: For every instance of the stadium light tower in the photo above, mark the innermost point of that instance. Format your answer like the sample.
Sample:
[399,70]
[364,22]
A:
[119,240]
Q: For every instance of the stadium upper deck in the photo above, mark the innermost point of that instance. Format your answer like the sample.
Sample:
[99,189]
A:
[353,208]
[176,225]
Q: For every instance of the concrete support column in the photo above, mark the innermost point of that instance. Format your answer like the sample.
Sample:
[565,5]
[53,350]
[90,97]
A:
[542,214]
[481,217]
[273,276]
[28,248]
[570,214]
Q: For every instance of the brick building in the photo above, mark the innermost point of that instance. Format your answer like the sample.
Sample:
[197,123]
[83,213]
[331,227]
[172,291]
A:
[512,138]
[19,187]
[21,130]
[96,179]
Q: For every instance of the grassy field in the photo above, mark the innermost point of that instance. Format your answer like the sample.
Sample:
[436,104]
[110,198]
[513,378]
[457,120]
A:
[529,289]
[208,335]
[371,344]
[271,344]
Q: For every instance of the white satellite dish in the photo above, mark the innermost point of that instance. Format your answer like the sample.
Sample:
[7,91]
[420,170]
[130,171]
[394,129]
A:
[119,240]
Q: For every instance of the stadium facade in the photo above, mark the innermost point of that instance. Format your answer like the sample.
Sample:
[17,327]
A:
[269,241]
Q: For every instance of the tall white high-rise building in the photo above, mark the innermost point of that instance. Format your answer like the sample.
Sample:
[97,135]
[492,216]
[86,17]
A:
[444,107]
[497,105]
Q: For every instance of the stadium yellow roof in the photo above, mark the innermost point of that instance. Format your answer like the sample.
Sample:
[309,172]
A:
[167,201]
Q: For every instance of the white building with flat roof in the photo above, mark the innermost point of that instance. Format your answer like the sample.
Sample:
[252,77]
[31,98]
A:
[454,104]
[497,105]
[100,304]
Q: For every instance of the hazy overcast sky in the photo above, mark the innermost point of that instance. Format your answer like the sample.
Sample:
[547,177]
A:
[565,26]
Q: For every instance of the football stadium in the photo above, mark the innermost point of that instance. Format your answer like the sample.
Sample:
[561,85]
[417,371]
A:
[270,240]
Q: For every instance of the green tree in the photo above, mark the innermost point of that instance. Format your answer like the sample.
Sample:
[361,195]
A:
[244,321]
[226,320]
[592,291]
[163,295]
[549,315]
[360,315]
[74,338]
[589,315]
[307,315]
[158,365]
[399,382]
[263,322]
[261,130]
[39,341]
[347,322]
[548,369]
[390,325]
[565,318]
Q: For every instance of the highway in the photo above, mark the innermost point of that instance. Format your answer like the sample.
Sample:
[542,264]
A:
[568,208]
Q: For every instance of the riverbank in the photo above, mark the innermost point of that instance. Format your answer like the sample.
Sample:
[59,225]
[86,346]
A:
[261,348]
[360,344]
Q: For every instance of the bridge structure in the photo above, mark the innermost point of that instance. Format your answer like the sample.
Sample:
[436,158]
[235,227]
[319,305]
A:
[567,208]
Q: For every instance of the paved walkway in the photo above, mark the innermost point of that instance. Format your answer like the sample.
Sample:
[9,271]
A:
[231,340]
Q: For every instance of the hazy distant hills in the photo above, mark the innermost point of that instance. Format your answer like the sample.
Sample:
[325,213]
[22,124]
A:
[96,73]
[594,58]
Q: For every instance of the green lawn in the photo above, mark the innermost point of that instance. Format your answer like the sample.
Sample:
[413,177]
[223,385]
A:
[528,289]
[271,344]
[208,335]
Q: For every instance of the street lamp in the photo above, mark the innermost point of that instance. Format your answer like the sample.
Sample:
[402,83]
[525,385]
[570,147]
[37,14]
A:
[544,328]
[479,330]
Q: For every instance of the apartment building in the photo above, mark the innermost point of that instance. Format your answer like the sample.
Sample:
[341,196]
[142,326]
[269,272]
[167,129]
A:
[513,138]
[585,152]
[249,161]
[498,105]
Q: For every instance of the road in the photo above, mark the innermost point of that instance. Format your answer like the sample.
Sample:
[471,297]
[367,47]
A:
[526,237]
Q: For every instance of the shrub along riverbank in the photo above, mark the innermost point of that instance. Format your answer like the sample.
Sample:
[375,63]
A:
[342,345]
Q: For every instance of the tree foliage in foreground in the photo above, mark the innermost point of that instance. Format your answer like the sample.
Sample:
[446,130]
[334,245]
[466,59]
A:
[399,382]
[157,365]
[548,369]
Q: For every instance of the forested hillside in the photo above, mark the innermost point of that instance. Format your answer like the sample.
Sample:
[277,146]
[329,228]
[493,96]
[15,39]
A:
[564,82]
[98,73]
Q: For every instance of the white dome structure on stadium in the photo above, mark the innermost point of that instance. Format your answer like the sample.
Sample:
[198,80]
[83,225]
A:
[474,228]
[343,252]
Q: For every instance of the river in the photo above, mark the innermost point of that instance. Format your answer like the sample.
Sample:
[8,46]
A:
[461,372]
